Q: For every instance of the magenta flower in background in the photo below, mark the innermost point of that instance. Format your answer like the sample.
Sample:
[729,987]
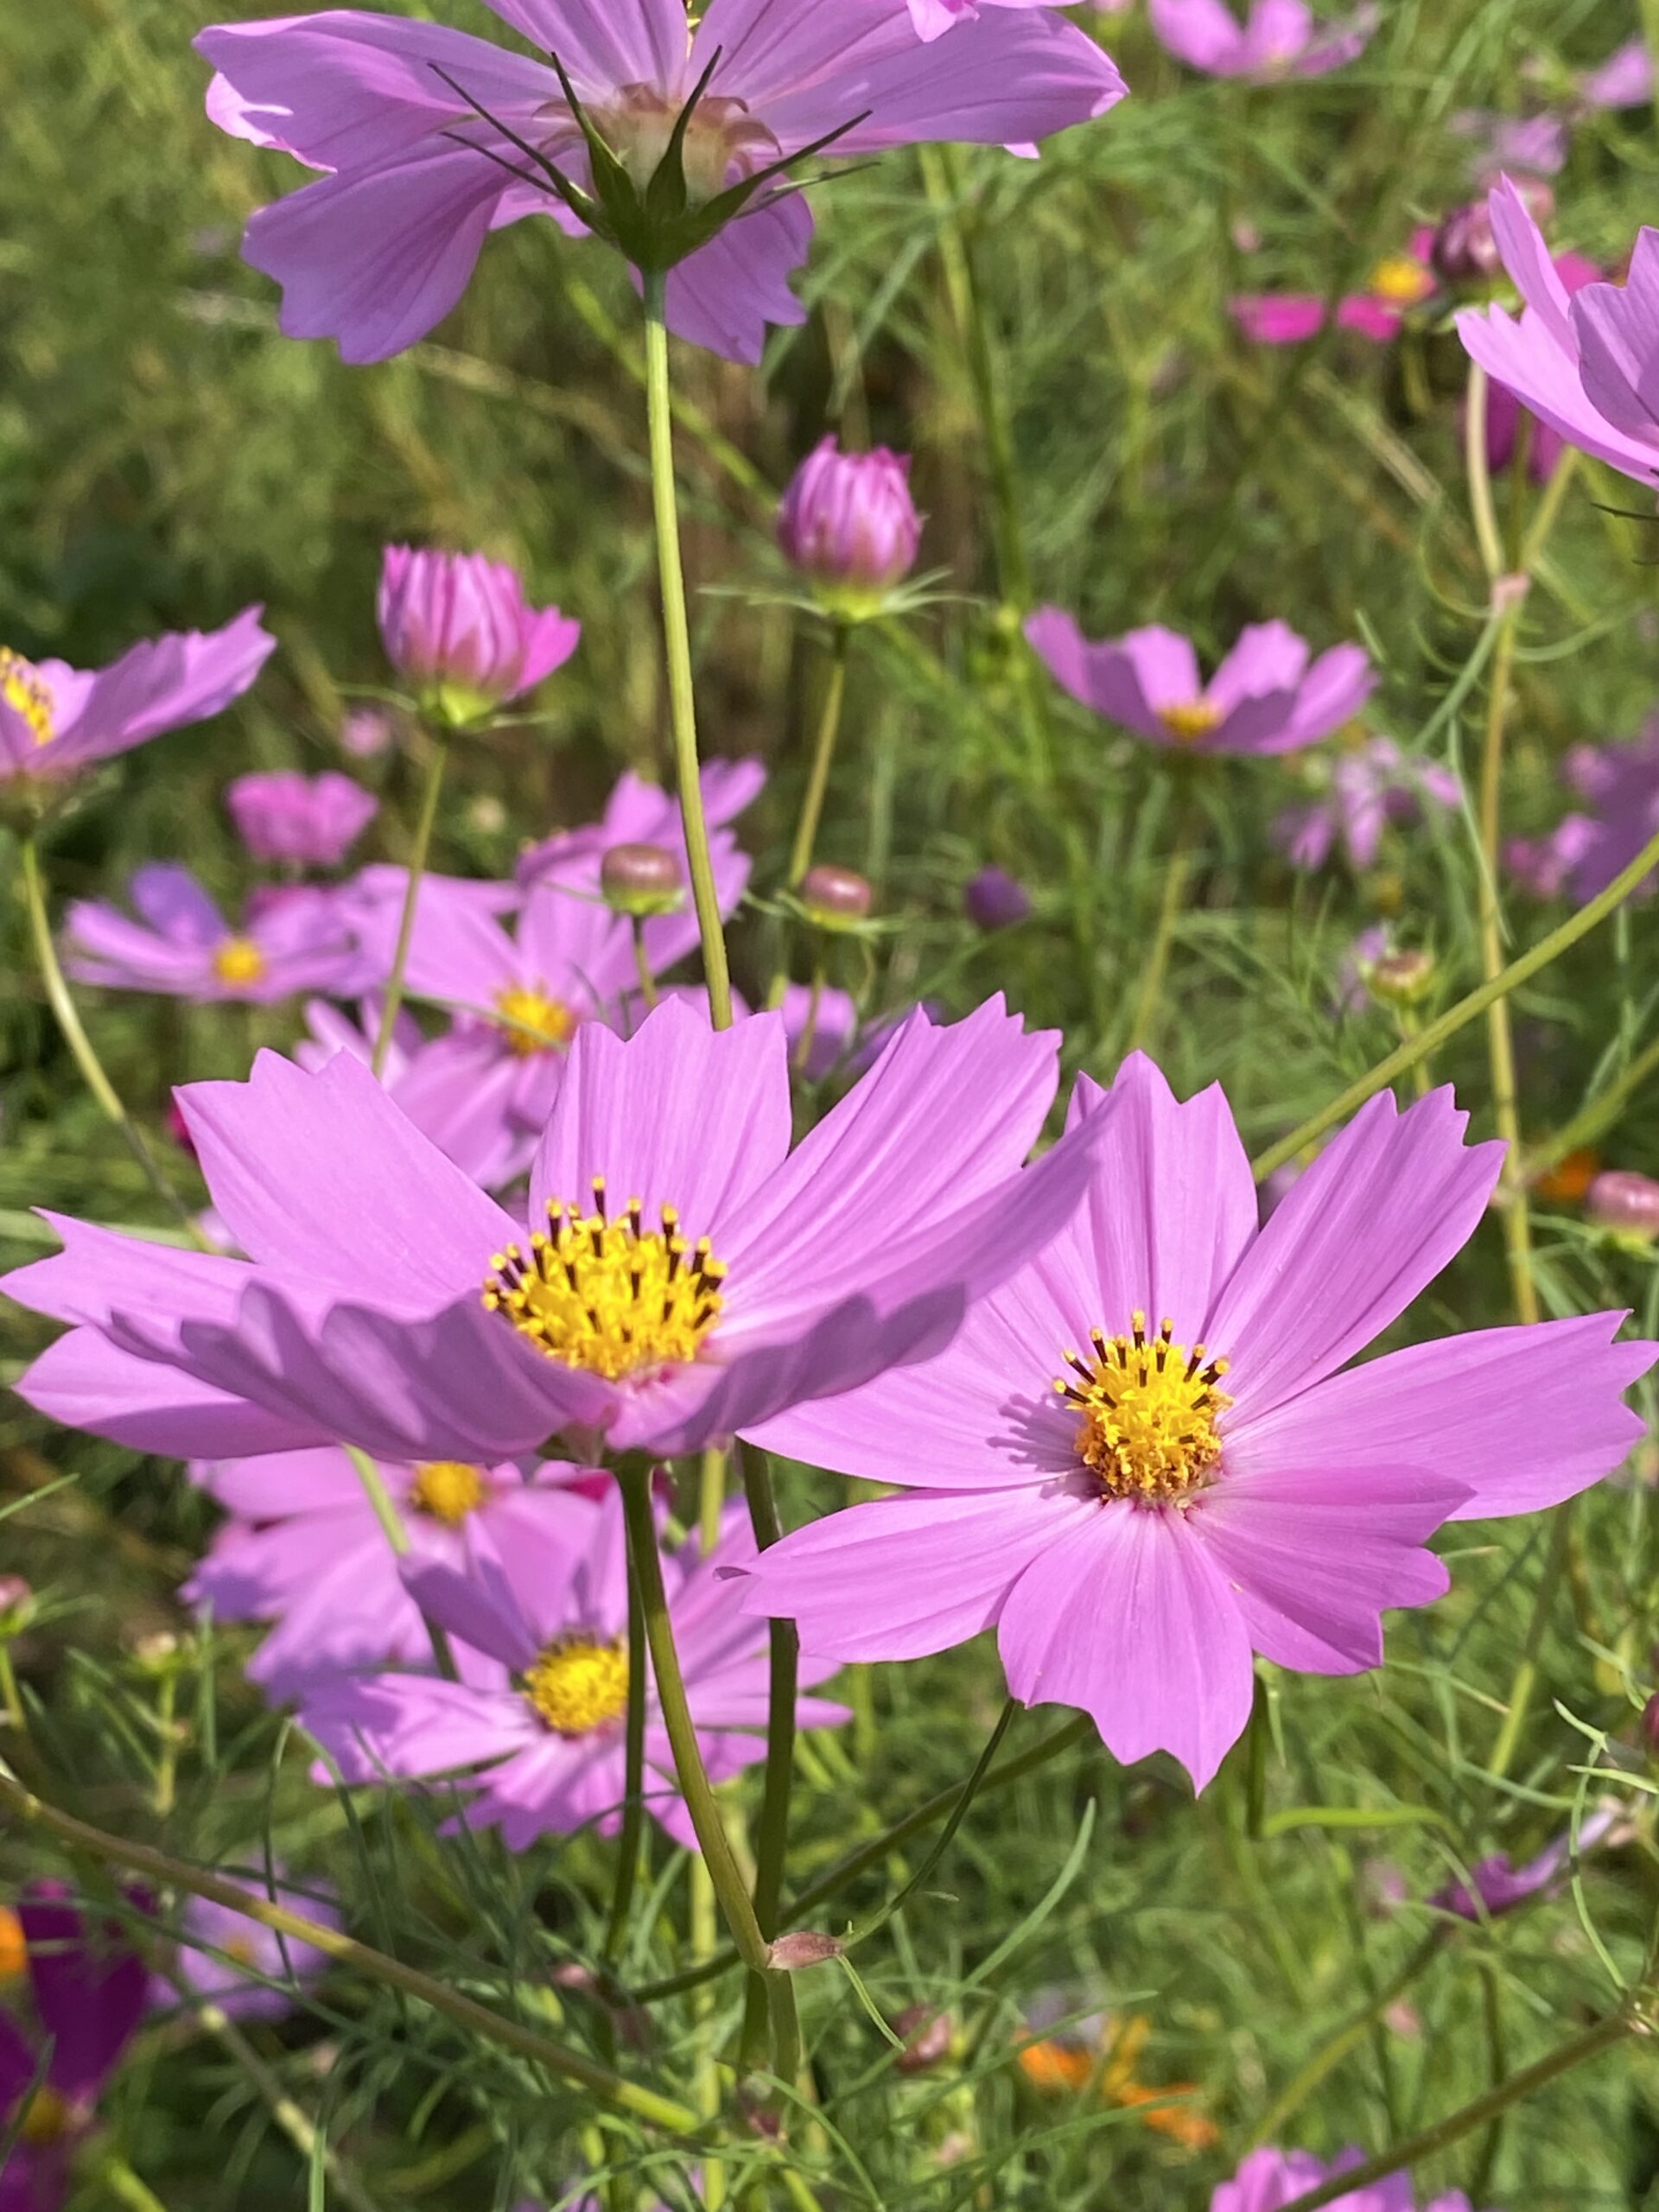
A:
[249,1970]
[1587,363]
[1496,1886]
[88,1990]
[1269,2180]
[182,946]
[366,732]
[1280,38]
[378,250]
[303,1550]
[847,521]
[1370,788]
[294,821]
[695,1271]
[55,721]
[1504,416]
[542,1707]
[1353,993]
[1267,696]
[1543,866]
[1138,1460]
[1525,145]
[995,900]
[638,813]
[1398,283]
[1585,851]
[459,627]
[1624,80]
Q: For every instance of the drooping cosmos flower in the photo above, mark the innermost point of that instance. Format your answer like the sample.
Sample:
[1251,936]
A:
[249,1970]
[1269,2180]
[182,946]
[1370,788]
[1279,38]
[416,130]
[1587,363]
[56,720]
[303,1550]
[1138,1460]
[1267,695]
[1496,1886]
[544,1719]
[690,1273]
[89,1994]
[848,522]
[1624,80]
[638,813]
[1585,852]
[460,629]
[1397,284]
[294,821]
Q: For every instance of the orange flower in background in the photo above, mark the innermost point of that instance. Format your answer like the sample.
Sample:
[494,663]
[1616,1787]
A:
[1108,2052]
[1566,1183]
[14,1946]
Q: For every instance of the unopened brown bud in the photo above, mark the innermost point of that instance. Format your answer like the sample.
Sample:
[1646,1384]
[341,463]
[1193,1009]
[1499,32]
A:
[837,898]
[641,881]
[1626,1203]
[804,1948]
[1400,978]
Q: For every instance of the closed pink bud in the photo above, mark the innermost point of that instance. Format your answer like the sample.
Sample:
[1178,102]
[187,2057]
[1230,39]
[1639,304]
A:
[847,520]
[1650,1724]
[1624,1202]
[459,628]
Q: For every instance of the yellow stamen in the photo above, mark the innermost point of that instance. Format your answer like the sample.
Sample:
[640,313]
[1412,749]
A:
[577,1685]
[26,693]
[1400,282]
[1150,1409]
[1190,719]
[610,1296]
[48,2119]
[531,1022]
[239,963]
[448,1490]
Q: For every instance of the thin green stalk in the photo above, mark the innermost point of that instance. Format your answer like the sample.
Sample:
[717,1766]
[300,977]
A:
[771,1843]
[633,1785]
[1526,1672]
[417,860]
[823,753]
[1177,871]
[126,2188]
[682,697]
[711,1495]
[1348,2037]
[1434,1034]
[166,1872]
[642,963]
[1480,2112]
[1599,1115]
[1497,2060]
[384,1509]
[970,1789]
[80,1045]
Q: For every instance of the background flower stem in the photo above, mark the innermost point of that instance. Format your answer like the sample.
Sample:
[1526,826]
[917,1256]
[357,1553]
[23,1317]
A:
[417,859]
[823,753]
[771,1843]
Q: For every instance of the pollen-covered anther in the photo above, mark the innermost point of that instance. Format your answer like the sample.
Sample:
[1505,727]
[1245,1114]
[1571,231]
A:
[578,1684]
[610,1296]
[1188,719]
[531,1021]
[25,690]
[447,1490]
[1150,1409]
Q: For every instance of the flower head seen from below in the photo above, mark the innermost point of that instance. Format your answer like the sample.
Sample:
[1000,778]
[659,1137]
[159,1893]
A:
[848,525]
[691,1270]
[180,945]
[249,1970]
[1374,786]
[1140,1462]
[459,628]
[429,139]
[56,720]
[289,820]
[1278,38]
[1269,695]
[543,1714]
[1393,286]
[1270,2179]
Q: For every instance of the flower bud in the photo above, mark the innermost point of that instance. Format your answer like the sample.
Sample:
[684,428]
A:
[836,897]
[15,1598]
[926,2038]
[993,901]
[641,881]
[1649,1726]
[459,628]
[804,1948]
[848,522]
[1400,978]
[366,732]
[1626,1203]
[1464,252]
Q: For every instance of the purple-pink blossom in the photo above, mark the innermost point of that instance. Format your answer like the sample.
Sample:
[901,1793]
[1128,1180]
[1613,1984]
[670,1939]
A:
[55,720]
[1495,1886]
[1269,695]
[294,821]
[1585,851]
[460,629]
[1140,1461]
[638,813]
[180,945]
[1374,786]
[847,521]
[1624,80]
[1395,285]
[1278,38]
[249,1970]
[540,1710]
[413,125]
[1270,2179]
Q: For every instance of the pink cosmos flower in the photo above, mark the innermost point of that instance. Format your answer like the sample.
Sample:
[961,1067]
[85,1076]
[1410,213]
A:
[692,1270]
[638,813]
[1269,2180]
[1585,852]
[1586,363]
[1543,866]
[1265,697]
[543,1715]
[1496,1886]
[932,18]
[366,732]
[1398,283]
[848,519]
[417,128]
[1370,788]
[249,1970]
[460,629]
[1504,416]
[1525,145]
[295,821]
[1199,1483]
[55,721]
[304,1550]
[182,946]
[1624,80]
[1280,38]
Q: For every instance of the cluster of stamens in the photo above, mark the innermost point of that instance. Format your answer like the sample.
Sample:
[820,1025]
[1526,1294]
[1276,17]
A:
[239,961]
[532,1022]
[610,1296]
[447,1490]
[578,1684]
[26,693]
[1149,1409]
[1188,719]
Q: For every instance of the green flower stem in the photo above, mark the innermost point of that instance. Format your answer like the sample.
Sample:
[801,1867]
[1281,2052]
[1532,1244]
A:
[677,632]
[771,1843]
[417,860]
[126,2188]
[383,1506]
[1526,1672]
[642,963]
[1177,871]
[964,1798]
[823,753]
[167,1872]
[1599,1115]
[1480,2112]
[633,1788]
[1331,2053]
[645,1563]
[80,1045]
[1435,1033]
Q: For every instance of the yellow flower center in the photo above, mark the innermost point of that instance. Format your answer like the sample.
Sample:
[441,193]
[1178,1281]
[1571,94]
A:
[1399,281]
[609,1296]
[448,1489]
[239,961]
[47,2120]
[25,691]
[1149,1409]
[577,1685]
[532,1022]
[1190,719]
[14,1946]
[241,1951]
